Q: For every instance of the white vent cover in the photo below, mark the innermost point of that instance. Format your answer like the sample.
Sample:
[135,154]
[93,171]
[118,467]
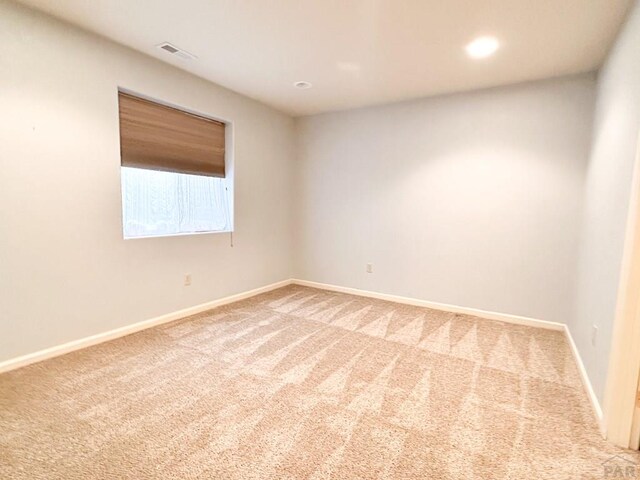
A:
[178,52]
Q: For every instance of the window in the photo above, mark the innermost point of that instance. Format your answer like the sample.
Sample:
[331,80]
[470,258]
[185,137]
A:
[166,203]
[173,171]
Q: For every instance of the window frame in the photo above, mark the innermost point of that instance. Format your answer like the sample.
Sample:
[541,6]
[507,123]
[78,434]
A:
[229,157]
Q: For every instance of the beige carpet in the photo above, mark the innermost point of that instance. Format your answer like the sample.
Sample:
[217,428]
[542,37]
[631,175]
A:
[306,384]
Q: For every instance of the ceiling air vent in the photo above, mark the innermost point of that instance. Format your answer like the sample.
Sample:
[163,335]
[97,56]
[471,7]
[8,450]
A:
[178,52]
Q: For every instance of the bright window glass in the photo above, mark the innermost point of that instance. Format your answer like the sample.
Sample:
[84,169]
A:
[156,203]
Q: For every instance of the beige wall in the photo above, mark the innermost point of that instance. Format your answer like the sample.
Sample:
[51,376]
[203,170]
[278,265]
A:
[608,187]
[472,199]
[500,199]
[65,270]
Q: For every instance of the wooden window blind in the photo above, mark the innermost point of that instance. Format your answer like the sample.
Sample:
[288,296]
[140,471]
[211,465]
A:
[158,137]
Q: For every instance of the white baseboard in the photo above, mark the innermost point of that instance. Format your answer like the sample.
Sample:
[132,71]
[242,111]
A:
[502,317]
[58,350]
[68,347]
[595,403]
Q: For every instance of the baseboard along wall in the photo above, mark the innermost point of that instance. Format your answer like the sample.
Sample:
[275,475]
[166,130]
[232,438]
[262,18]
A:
[502,317]
[68,347]
[74,345]
[595,403]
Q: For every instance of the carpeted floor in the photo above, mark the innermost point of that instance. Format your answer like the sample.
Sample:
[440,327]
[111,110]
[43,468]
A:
[306,384]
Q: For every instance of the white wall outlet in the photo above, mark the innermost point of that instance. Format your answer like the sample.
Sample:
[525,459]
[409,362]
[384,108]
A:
[369,267]
[187,280]
[594,334]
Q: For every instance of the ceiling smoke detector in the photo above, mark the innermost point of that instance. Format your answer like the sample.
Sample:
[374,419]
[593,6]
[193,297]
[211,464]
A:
[178,52]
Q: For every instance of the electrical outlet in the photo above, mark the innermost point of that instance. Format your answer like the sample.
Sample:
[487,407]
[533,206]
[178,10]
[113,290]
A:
[187,280]
[369,267]
[594,334]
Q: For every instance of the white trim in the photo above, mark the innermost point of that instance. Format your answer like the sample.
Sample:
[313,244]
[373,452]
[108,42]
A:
[595,403]
[501,317]
[58,350]
[183,234]
[621,407]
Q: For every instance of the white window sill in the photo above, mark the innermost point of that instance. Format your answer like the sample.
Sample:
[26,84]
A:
[178,234]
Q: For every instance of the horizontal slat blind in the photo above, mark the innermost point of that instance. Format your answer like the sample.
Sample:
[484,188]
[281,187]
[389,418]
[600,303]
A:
[158,137]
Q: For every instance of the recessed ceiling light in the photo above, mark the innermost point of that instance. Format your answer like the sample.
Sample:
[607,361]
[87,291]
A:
[302,85]
[482,47]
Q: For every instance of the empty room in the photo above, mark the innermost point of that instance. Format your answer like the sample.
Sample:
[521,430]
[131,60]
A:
[319,239]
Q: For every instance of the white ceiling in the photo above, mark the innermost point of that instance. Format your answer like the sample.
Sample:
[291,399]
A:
[357,52]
